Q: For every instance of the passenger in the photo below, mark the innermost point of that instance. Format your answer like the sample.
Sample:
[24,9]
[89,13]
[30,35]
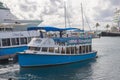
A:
[41,34]
[60,34]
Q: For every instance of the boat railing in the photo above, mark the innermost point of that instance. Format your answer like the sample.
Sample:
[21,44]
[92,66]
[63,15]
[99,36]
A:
[72,41]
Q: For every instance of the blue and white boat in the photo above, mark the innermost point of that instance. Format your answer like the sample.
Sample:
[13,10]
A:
[58,48]
[13,33]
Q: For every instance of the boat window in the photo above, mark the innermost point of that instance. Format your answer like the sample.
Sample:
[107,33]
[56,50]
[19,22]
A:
[15,41]
[1,29]
[8,29]
[63,50]
[44,49]
[57,50]
[83,49]
[51,49]
[34,48]
[68,50]
[0,42]
[76,50]
[37,48]
[87,49]
[38,40]
[29,39]
[90,48]
[23,40]
[80,49]
[72,50]
[31,48]
[6,42]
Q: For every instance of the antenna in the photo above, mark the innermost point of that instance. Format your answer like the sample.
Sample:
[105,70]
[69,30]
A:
[65,14]
[87,21]
[68,21]
[82,17]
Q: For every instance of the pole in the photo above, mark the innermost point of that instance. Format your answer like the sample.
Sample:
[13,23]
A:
[65,13]
[82,17]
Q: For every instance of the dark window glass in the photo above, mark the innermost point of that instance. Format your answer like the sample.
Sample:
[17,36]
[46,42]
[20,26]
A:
[29,39]
[8,29]
[68,50]
[44,49]
[6,42]
[80,49]
[90,48]
[23,40]
[0,43]
[34,48]
[15,41]
[1,29]
[51,49]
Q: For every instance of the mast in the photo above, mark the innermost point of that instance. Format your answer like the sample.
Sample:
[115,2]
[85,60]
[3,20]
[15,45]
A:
[82,17]
[68,21]
[117,17]
[65,14]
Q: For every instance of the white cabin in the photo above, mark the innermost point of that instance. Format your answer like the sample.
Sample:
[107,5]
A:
[49,46]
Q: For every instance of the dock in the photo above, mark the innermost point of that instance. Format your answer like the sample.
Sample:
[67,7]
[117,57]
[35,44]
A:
[8,57]
[110,34]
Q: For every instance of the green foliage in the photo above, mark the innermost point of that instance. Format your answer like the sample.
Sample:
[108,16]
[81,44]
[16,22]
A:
[97,24]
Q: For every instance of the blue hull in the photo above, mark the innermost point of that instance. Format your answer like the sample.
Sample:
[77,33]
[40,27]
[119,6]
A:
[32,60]
[11,50]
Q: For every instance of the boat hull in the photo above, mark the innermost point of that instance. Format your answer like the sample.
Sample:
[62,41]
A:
[32,60]
[110,34]
[6,53]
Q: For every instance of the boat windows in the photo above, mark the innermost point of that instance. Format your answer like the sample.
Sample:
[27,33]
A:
[63,50]
[90,48]
[37,48]
[76,50]
[87,49]
[72,50]
[6,42]
[23,40]
[68,50]
[80,49]
[1,29]
[57,50]
[34,48]
[15,41]
[38,40]
[51,49]
[83,49]
[29,39]
[44,49]
[0,42]
[8,29]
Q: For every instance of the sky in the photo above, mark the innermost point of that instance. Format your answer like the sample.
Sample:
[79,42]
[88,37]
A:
[52,11]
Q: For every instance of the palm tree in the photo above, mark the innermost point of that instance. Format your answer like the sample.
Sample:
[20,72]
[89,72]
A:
[97,24]
[107,26]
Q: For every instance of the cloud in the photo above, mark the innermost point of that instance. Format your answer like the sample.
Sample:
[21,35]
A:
[52,7]
[52,11]
[115,2]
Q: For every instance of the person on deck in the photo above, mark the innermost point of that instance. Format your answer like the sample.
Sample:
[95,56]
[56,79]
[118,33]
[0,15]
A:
[41,34]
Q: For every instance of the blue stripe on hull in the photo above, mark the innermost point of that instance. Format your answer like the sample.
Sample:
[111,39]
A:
[30,60]
[12,50]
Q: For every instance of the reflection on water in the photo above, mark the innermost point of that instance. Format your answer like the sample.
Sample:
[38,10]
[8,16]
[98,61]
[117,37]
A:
[105,67]
[61,72]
